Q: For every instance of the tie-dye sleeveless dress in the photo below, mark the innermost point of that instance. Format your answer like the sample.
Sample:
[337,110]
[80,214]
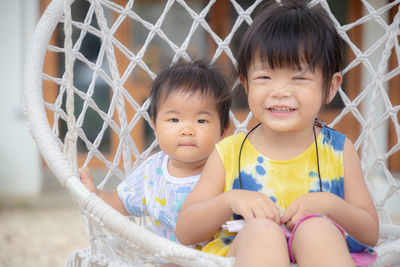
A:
[286,180]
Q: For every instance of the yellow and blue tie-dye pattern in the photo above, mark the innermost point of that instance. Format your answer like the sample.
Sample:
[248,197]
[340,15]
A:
[282,180]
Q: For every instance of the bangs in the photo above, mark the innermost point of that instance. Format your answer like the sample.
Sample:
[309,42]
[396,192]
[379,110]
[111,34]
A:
[291,37]
[192,81]
[288,43]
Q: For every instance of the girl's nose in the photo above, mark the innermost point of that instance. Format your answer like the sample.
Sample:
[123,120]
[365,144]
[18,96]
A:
[281,90]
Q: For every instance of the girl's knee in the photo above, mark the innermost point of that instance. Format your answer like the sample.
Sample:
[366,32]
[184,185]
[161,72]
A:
[317,231]
[317,226]
[258,231]
[260,239]
[317,239]
[262,232]
[262,227]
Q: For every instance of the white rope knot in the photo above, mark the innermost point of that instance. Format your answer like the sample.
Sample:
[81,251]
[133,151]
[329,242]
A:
[100,259]
[224,45]
[142,112]
[351,106]
[375,15]
[124,131]
[241,128]
[81,253]
[245,15]
[362,57]
[156,29]
[392,112]
[126,11]
[200,17]
[180,52]
[137,59]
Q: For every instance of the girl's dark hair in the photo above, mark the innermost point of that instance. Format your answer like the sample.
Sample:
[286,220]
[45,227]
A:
[192,77]
[291,33]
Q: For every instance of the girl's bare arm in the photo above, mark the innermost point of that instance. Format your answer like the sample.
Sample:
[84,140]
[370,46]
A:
[204,211]
[360,219]
[208,206]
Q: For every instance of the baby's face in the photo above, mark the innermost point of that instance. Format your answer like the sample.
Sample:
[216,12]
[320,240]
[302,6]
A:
[187,127]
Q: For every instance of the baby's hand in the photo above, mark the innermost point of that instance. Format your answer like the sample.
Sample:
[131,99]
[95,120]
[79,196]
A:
[251,204]
[87,180]
[314,203]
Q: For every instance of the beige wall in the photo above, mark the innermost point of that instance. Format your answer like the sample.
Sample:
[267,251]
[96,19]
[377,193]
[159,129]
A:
[20,165]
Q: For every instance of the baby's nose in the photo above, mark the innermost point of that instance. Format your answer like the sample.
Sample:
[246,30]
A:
[187,130]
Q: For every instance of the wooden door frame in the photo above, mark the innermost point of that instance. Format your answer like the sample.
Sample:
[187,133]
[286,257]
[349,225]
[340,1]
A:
[394,95]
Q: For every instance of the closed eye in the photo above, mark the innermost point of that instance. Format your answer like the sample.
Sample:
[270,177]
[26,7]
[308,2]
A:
[299,78]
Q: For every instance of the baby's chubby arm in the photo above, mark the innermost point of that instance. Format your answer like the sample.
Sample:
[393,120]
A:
[356,213]
[208,207]
[110,197]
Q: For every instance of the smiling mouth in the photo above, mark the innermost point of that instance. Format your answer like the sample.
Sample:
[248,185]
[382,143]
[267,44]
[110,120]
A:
[281,109]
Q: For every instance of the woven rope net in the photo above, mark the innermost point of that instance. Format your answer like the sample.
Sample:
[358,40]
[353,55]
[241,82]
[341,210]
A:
[96,103]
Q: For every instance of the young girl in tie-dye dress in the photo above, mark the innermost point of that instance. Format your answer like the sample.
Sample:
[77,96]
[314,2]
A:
[296,185]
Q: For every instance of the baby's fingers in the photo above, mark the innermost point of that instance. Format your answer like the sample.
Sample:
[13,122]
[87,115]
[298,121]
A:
[84,173]
[87,179]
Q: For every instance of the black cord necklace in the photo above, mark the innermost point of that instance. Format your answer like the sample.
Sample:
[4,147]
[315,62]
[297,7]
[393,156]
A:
[316,150]
[240,152]
[317,122]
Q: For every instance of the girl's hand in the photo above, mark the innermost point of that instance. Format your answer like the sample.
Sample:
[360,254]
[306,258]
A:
[87,180]
[251,204]
[314,203]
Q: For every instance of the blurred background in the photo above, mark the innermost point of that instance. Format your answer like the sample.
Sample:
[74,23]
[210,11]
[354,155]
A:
[39,223]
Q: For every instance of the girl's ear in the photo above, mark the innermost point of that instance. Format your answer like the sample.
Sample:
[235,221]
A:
[225,131]
[243,81]
[334,87]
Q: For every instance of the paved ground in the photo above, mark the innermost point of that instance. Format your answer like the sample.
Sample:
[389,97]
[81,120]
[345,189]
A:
[40,231]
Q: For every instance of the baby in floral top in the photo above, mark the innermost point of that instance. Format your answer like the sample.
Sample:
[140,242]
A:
[189,107]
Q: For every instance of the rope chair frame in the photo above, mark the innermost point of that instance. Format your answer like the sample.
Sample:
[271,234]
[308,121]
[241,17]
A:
[116,240]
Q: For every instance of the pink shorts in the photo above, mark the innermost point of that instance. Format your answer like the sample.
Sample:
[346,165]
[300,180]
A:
[362,254]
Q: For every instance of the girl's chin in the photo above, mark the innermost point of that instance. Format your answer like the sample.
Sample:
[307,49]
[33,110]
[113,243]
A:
[282,127]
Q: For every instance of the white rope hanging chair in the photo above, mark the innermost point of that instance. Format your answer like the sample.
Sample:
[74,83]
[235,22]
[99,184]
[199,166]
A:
[116,240]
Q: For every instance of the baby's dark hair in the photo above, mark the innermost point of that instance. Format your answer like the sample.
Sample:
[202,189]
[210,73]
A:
[288,34]
[192,77]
